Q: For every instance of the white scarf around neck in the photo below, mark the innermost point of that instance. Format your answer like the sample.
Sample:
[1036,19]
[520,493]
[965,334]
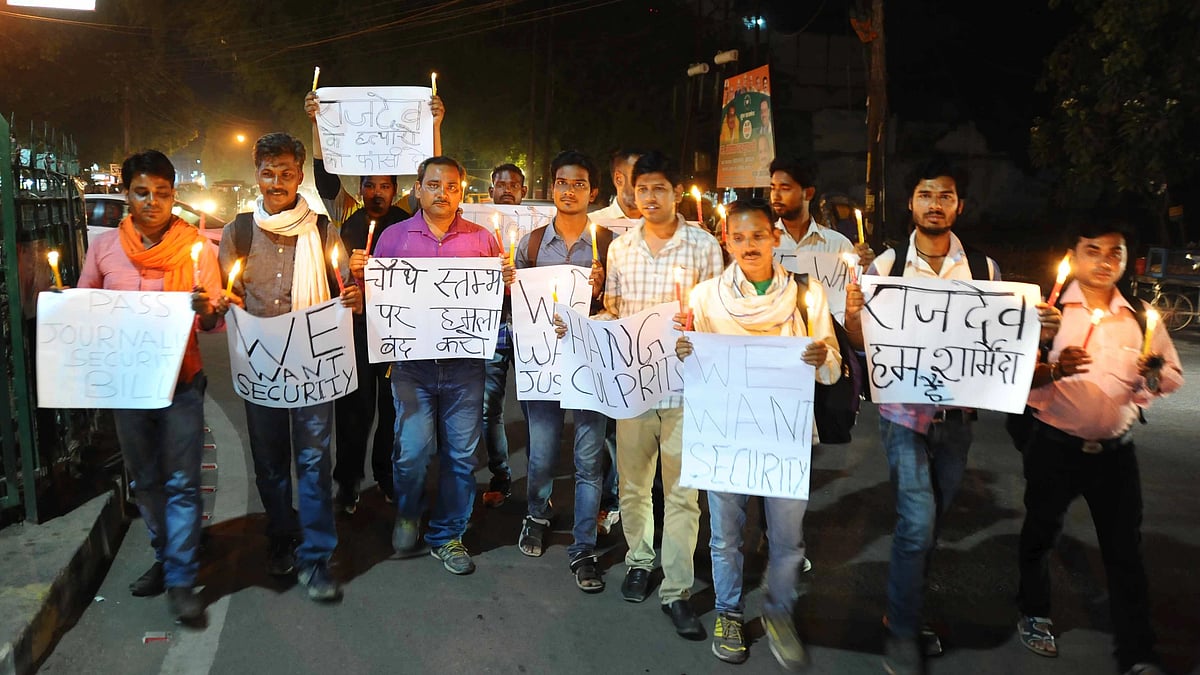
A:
[772,311]
[310,283]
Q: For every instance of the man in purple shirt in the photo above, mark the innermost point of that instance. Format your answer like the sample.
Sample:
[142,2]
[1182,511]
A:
[439,402]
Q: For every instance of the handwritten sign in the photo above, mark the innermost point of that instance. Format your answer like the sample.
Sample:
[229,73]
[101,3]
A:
[828,268]
[621,368]
[521,219]
[747,415]
[950,342]
[432,308]
[536,347]
[293,360]
[375,130]
[110,349]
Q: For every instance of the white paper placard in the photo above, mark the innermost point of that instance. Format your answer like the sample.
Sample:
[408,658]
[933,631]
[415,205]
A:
[536,346]
[375,130]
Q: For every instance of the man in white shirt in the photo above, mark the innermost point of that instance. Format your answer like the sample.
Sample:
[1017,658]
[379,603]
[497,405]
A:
[792,188]
[623,204]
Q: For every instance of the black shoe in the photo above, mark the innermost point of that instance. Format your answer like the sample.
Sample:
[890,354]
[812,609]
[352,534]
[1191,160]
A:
[185,605]
[150,583]
[322,587]
[346,499]
[636,586]
[281,558]
[686,623]
[499,490]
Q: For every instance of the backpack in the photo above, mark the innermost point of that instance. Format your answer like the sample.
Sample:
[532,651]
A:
[1020,425]
[604,237]
[835,406]
[243,233]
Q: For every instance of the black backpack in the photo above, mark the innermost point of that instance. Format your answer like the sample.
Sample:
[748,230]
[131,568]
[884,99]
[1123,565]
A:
[835,406]
[243,233]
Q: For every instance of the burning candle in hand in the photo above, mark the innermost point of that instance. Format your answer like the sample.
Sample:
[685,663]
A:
[691,312]
[512,249]
[721,213]
[858,217]
[809,301]
[433,83]
[595,248]
[337,272]
[1064,269]
[1151,324]
[1097,315]
[52,258]
[370,236]
[695,192]
[496,229]
[233,272]
[196,248]
[316,75]
[679,289]
[851,261]
[554,292]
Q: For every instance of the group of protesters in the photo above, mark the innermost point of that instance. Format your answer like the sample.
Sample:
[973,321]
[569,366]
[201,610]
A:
[1083,401]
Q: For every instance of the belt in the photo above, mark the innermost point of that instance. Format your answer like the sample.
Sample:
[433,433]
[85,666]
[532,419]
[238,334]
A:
[1082,444]
[959,415]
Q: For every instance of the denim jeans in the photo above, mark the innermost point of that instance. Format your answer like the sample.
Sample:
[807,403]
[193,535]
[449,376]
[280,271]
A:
[277,436]
[439,411]
[610,488]
[161,450]
[495,439]
[545,419]
[926,470]
[785,530]
[354,414]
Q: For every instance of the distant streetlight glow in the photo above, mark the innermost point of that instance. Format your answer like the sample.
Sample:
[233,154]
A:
[241,138]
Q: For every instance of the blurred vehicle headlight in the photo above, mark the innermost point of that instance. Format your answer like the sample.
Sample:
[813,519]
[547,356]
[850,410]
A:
[207,206]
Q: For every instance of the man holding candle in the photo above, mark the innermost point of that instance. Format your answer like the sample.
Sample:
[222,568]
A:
[570,239]
[793,186]
[284,249]
[1085,403]
[151,250]
[756,296]
[641,265]
[439,402]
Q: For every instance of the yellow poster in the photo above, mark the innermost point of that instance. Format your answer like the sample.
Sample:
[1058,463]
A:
[747,140]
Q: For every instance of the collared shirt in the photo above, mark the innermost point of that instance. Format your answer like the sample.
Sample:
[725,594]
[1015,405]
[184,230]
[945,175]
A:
[816,239]
[1102,403]
[412,238]
[919,416]
[553,249]
[637,280]
[610,212]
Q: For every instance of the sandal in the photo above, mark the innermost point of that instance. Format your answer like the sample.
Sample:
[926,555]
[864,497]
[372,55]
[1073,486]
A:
[587,577]
[1036,636]
[533,531]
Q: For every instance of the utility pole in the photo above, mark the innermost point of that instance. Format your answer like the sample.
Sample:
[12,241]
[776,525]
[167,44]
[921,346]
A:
[870,32]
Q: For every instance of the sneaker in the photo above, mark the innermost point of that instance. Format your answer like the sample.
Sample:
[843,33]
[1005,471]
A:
[281,557]
[454,557]
[151,583]
[184,604]
[322,587]
[902,657]
[1035,634]
[346,499]
[606,521]
[728,643]
[406,538]
[498,492]
[784,642]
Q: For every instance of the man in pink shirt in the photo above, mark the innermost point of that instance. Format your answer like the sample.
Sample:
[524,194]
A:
[439,402]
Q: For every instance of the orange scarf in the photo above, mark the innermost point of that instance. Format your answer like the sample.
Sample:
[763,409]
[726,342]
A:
[173,257]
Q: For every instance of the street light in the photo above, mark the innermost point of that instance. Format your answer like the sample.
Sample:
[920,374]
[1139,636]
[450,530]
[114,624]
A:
[241,138]
[697,69]
[726,57]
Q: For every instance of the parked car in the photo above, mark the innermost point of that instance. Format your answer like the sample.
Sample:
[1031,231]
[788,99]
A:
[105,212]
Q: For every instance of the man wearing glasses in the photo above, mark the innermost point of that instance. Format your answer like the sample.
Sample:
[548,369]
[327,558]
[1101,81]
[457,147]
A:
[439,403]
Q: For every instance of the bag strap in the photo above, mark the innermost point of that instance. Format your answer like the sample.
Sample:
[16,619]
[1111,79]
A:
[535,244]
[243,235]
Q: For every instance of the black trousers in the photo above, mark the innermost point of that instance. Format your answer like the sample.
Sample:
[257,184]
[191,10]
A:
[353,415]
[1056,472]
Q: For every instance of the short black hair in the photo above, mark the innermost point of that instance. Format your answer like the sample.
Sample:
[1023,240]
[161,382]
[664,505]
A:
[509,167]
[278,144]
[802,171]
[621,155]
[574,158]
[363,179]
[655,162]
[1097,221]
[440,160]
[150,162]
[751,204]
[936,166]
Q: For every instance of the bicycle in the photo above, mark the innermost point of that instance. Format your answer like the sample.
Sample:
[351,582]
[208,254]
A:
[1174,308]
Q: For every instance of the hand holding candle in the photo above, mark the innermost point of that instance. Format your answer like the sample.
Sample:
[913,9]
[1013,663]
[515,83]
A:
[337,272]
[858,217]
[512,249]
[316,75]
[1097,315]
[1064,269]
[554,292]
[721,213]
[851,260]
[691,313]
[595,249]
[679,289]
[809,301]
[52,258]
[196,248]
[370,236]
[233,272]
[433,83]
[1151,324]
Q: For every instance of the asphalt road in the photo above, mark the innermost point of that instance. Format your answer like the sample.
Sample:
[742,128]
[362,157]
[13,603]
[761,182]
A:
[524,615]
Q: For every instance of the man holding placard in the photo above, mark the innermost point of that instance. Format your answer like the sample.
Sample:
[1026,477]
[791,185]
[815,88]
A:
[647,266]
[1086,400]
[757,296]
[153,250]
[439,402]
[284,249]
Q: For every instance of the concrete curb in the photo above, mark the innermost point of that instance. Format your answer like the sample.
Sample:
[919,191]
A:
[48,574]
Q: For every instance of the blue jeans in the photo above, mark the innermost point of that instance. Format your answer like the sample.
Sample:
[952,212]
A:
[439,411]
[161,450]
[785,532]
[494,437]
[277,436]
[926,470]
[610,490]
[545,420]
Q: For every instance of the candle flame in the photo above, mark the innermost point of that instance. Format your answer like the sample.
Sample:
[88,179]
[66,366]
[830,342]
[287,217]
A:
[1064,269]
[808,300]
[1097,315]
[52,256]
[679,275]
[233,272]
[696,192]
[858,216]
[371,227]
[333,255]
[496,220]
[721,211]
[1151,320]
[196,248]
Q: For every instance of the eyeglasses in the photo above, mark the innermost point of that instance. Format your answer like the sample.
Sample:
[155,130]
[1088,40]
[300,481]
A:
[576,186]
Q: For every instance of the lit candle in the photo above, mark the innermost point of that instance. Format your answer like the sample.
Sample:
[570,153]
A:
[337,272]
[1097,314]
[370,236]
[851,266]
[808,302]
[433,82]
[554,292]
[697,196]
[721,213]
[1064,269]
[858,218]
[52,258]
[496,227]
[691,313]
[196,248]
[316,74]
[595,249]
[1151,324]
[512,248]
[679,288]
[233,272]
